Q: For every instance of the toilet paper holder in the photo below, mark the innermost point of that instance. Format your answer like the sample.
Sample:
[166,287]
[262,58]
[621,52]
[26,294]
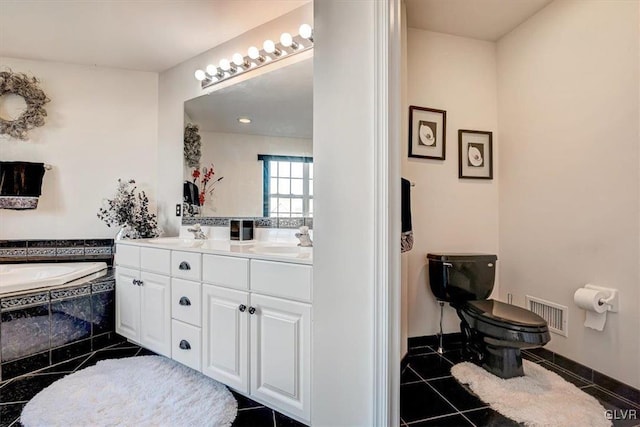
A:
[612,300]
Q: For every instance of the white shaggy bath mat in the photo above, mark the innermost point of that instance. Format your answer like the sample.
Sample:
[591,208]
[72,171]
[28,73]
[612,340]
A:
[539,398]
[135,391]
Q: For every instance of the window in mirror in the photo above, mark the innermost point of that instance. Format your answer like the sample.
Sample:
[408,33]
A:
[287,186]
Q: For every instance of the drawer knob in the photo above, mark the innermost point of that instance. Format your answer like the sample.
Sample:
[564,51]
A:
[184,301]
[242,308]
[252,310]
[184,265]
[184,345]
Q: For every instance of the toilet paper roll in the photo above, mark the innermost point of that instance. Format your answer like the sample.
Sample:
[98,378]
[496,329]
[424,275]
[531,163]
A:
[589,300]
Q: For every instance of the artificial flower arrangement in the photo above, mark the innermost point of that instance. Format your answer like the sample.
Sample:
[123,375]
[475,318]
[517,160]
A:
[203,178]
[129,211]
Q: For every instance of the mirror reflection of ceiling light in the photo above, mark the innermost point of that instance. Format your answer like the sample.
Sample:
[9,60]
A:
[271,51]
[244,120]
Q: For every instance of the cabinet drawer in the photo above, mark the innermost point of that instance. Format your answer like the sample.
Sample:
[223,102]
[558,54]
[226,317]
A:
[155,260]
[186,265]
[185,301]
[281,279]
[225,271]
[185,344]
[128,256]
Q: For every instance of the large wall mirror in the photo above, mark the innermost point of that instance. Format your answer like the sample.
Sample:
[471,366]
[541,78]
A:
[256,152]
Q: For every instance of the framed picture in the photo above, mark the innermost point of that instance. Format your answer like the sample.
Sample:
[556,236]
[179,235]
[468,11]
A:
[427,133]
[475,154]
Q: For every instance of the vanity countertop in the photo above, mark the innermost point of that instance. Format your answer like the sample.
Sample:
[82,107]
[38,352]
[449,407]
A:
[266,250]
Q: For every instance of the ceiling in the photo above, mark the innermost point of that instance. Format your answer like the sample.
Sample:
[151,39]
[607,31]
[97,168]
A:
[478,19]
[279,103]
[131,34]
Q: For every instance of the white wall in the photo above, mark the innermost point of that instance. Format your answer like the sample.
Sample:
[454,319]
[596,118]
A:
[101,126]
[177,85]
[235,157]
[569,165]
[343,282]
[457,75]
[404,118]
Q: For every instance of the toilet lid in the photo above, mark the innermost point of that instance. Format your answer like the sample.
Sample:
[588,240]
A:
[507,315]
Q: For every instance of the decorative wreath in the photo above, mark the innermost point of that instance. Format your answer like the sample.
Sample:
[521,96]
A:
[33,116]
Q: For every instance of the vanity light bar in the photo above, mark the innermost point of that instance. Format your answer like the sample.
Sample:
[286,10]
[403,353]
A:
[271,52]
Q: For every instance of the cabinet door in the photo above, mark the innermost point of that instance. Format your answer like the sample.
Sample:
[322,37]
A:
[224,336]
[155,313]
[281,354]
[128,303]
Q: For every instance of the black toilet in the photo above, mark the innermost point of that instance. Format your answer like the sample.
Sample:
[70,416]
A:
[494,332]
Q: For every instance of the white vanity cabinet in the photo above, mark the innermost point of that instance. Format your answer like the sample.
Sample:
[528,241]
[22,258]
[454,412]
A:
[241,320]
[256,343]
[281,354]
[225,333]
[143,311]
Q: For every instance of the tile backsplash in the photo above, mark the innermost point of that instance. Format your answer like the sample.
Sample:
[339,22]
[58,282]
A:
[261,222]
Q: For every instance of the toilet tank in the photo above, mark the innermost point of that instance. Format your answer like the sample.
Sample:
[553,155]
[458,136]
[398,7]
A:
[461,277]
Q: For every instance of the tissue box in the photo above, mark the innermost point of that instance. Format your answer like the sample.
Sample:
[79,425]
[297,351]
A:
[241,229]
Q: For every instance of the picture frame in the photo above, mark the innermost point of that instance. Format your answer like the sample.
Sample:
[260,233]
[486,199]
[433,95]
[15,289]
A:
[427,133]
[475,154]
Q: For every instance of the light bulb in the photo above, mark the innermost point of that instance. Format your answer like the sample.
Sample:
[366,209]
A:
[305,31]
[212,70]
[200,75]
[286,39]
[244,120]
[269,46]
[253,52]
[225,65]
[238,59]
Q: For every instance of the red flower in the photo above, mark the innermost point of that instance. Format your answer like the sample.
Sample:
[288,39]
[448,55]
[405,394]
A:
[196,173]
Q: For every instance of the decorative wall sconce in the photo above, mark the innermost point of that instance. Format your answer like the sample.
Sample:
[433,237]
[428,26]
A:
[255,58]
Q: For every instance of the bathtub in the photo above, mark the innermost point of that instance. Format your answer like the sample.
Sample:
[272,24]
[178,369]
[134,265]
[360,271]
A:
[22,277]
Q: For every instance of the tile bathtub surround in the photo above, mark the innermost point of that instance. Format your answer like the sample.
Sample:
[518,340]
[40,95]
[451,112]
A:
[430,396]
[56,250]
[38,329]
[15,393]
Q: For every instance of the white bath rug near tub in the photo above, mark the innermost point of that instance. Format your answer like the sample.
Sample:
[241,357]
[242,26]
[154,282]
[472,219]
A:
[539,398]
[134,391]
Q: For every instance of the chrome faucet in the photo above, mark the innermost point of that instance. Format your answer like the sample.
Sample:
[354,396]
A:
[197,232]
[303,236]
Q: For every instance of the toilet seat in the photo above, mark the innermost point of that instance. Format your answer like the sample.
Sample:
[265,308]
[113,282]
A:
[505,315]
[506,322]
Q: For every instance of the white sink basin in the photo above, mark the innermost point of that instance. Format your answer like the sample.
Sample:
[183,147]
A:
[281,250]
[177,241]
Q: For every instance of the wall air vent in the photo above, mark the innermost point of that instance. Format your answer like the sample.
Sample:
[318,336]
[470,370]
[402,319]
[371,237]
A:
[556,315]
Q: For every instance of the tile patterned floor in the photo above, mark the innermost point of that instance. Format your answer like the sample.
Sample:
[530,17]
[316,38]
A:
[15,393]
[430,396]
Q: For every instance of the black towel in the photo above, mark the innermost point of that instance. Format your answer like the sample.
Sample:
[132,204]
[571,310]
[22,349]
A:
[406,238]
[190,193]
[21,179]
[406,205]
